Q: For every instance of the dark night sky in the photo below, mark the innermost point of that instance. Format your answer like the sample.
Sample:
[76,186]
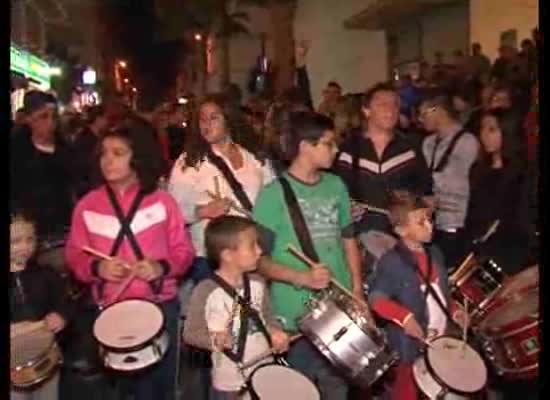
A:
[153,63]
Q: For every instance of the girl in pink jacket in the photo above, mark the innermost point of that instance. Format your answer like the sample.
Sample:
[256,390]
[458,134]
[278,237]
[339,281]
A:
[143,231]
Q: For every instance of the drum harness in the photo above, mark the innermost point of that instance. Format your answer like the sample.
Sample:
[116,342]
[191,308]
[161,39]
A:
[126,231]
[247,312]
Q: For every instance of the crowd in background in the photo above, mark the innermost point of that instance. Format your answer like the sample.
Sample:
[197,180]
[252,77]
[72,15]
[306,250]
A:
[54,158]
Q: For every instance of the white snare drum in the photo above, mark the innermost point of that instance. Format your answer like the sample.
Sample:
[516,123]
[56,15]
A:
[276,382]
[131,335]
[449,371]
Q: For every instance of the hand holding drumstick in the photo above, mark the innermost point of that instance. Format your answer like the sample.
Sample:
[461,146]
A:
[358,301]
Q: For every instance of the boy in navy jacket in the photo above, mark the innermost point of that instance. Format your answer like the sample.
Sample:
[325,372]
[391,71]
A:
[398,289]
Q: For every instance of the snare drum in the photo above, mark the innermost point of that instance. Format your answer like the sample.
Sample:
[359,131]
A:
[450,370]
[34,357]
[510,336]
[131,335]
[478,282]
[344,336]
[276,382]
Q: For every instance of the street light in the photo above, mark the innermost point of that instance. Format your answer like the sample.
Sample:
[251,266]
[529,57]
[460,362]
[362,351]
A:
[134,90]
[198,37]
[126,80]
[122,64]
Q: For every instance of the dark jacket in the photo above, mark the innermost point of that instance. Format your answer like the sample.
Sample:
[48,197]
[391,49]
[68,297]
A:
[401,167]
[41,182]
[396,278]
[500,194]
[35,292]
[85,169]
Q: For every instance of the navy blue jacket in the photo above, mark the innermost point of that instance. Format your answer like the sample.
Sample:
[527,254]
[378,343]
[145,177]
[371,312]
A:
[396,278]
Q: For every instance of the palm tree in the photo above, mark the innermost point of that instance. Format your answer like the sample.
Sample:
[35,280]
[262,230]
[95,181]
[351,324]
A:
[212,19]
[220,20]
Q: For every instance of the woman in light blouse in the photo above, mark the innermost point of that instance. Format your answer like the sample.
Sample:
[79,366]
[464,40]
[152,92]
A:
[199,186]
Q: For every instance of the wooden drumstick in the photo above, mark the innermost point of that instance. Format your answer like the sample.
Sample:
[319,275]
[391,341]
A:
[267,353]
[231,204]
[302,257]
[101,255]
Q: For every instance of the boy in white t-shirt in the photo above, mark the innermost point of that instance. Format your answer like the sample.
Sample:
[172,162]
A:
[218,317]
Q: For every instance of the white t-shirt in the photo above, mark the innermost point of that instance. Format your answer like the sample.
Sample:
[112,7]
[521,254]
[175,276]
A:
[218,310]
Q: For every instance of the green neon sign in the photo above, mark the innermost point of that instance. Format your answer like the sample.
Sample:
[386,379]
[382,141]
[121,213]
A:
[31,66]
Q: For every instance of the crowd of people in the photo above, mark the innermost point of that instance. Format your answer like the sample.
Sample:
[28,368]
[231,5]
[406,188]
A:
[194,207]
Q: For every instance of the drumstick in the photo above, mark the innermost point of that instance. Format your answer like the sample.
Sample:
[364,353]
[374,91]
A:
[267,353]
[458,272]
[124,286]
[465,327]
[296,253]
[371,208]
[99,254]
[232,204]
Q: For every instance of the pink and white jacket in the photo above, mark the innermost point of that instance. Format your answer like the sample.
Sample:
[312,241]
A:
[159,229]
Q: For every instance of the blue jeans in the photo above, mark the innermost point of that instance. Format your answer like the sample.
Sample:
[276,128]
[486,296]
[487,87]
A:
[158,382]
[305,358]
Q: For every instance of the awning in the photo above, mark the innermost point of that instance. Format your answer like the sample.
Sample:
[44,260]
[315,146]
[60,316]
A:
[384,13]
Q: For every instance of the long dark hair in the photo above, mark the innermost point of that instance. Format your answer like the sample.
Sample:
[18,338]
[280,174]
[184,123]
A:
[511,149]
[196,147]
[146,159]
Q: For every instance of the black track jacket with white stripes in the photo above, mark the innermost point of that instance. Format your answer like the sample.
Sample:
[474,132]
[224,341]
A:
[370,180]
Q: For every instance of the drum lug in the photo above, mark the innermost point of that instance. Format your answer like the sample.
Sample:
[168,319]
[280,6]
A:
[157,349]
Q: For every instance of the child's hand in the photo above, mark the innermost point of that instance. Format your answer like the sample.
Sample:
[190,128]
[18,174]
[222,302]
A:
[55,322]
[280,340]
[318,277]
[148,270]
[114,270]
[412,328]
[221,341]
[461,318]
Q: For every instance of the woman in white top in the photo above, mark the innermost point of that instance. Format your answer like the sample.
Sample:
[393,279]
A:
[194,178]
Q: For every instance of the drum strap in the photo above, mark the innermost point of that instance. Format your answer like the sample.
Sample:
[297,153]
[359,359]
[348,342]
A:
[125,221]
[298,221]
[246,312]
[235,185]
[429,288]
[447,154]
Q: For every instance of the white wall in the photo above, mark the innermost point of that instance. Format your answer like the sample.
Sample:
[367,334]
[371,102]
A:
[489,18]
[354,58]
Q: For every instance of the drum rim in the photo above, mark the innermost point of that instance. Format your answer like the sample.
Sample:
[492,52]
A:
[500,306]
[248,382]
[54,348]
[435,376]
[139,346]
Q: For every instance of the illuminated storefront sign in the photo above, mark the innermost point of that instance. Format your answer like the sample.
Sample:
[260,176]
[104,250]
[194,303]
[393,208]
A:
[30,66]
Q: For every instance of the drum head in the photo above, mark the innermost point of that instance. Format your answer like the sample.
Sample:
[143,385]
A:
[517,307]
[459,368]
[276,382]
[528,278]
[30,347]
[128,324]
